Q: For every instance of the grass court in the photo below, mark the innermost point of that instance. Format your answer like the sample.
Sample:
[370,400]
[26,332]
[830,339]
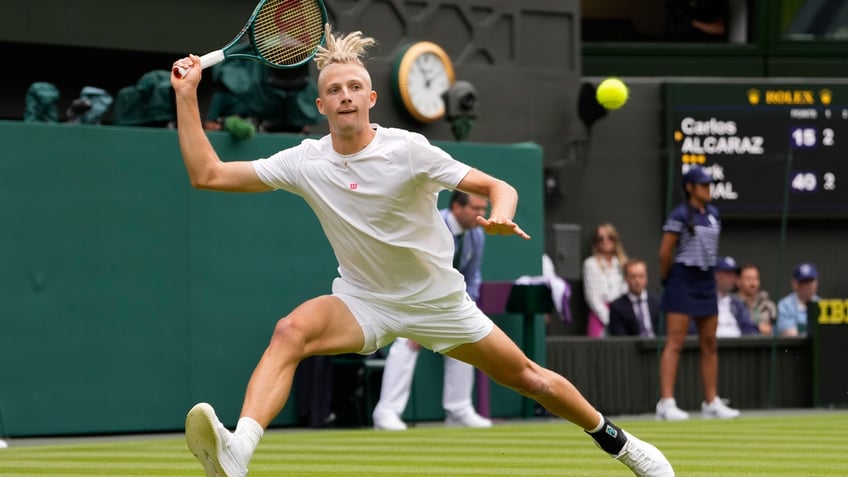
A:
[803,444]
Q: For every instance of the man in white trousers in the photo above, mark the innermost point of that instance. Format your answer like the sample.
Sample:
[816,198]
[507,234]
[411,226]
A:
[399,371]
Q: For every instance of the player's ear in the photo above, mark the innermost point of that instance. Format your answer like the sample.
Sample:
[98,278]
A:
[373,99]
[320,105]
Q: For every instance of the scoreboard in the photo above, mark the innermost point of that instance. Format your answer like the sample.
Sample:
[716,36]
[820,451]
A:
[768,146]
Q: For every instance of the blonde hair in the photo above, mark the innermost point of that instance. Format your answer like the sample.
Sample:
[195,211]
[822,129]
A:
[348,48]
[616,239]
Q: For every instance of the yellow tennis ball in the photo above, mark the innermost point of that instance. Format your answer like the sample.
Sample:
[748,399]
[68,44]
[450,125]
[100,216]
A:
[611,93]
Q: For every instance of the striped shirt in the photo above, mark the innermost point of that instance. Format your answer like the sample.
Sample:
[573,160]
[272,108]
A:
[701,248]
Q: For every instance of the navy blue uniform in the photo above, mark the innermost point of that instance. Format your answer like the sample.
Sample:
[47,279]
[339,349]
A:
[690,285]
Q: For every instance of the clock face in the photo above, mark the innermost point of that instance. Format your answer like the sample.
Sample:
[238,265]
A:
[428,80]
[424,73]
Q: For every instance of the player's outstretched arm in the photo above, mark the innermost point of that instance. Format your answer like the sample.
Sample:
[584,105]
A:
[504,199]
[204,167]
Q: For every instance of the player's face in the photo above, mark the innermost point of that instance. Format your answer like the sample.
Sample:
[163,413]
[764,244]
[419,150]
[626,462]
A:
[467,214]
[345,95]
[636,277]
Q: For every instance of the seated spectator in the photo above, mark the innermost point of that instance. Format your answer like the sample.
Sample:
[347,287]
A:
[733,317]
[792,309]
[602,279]
[637,312]
[760,306]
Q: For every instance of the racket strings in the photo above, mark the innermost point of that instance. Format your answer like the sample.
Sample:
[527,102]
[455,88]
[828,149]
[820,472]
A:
[288,32]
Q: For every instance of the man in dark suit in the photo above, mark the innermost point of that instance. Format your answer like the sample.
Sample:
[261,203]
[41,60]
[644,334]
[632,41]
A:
[637,312]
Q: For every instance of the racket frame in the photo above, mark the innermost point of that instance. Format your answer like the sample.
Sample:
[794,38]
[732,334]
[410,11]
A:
[214,57]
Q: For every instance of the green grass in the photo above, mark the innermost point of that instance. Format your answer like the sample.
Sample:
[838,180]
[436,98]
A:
[807,445]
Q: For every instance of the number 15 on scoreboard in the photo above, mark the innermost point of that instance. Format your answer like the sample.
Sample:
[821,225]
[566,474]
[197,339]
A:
[807,137]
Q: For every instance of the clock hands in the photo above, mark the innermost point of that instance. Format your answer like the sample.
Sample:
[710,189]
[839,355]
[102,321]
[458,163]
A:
[428,72]
[424,74]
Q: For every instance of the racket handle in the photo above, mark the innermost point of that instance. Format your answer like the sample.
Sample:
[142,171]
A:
[207,60]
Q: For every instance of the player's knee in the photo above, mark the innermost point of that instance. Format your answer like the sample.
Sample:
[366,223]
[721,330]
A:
[709,344]
[288,335]
[675,345]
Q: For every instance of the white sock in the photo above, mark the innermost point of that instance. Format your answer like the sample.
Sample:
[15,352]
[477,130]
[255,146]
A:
[249,431]
[599,426]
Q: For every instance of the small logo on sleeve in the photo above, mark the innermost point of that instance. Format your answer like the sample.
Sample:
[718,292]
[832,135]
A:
[353,186]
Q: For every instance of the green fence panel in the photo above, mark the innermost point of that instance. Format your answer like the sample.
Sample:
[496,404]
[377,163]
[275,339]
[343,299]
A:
[127,296]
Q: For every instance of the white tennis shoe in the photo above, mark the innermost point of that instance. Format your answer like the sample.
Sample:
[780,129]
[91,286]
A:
[387,421]
[667,410]
[718,410]
[644,459]
[468,419]
[214,446]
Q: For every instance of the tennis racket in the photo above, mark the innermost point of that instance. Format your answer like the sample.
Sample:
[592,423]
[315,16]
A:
[282,33]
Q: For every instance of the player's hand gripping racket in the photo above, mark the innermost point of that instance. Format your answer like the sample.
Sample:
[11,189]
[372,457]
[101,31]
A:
[283,34]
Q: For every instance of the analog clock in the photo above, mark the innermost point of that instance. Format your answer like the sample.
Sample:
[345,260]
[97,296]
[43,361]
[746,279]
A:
[423,72]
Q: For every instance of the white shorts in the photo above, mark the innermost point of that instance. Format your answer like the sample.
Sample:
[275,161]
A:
[440,325]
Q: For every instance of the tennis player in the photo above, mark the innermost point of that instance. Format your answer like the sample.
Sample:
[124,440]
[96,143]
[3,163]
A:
[374,191]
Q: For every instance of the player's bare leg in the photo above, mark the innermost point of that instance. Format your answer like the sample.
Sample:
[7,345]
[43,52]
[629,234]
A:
[501,359]
[323,325]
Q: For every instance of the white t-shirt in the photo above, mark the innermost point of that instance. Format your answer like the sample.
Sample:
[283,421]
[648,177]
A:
[378,210]
[727,326]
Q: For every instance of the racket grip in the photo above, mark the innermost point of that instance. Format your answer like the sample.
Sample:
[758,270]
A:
[207,60]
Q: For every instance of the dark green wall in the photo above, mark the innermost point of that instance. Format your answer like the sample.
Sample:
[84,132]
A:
[126,296]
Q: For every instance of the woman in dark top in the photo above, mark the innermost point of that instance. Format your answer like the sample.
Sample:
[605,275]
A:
[688,255]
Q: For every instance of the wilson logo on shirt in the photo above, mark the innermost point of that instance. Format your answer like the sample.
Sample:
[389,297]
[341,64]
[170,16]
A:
[353,186]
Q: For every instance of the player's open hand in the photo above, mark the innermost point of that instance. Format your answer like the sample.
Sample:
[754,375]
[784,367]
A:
[501,226]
